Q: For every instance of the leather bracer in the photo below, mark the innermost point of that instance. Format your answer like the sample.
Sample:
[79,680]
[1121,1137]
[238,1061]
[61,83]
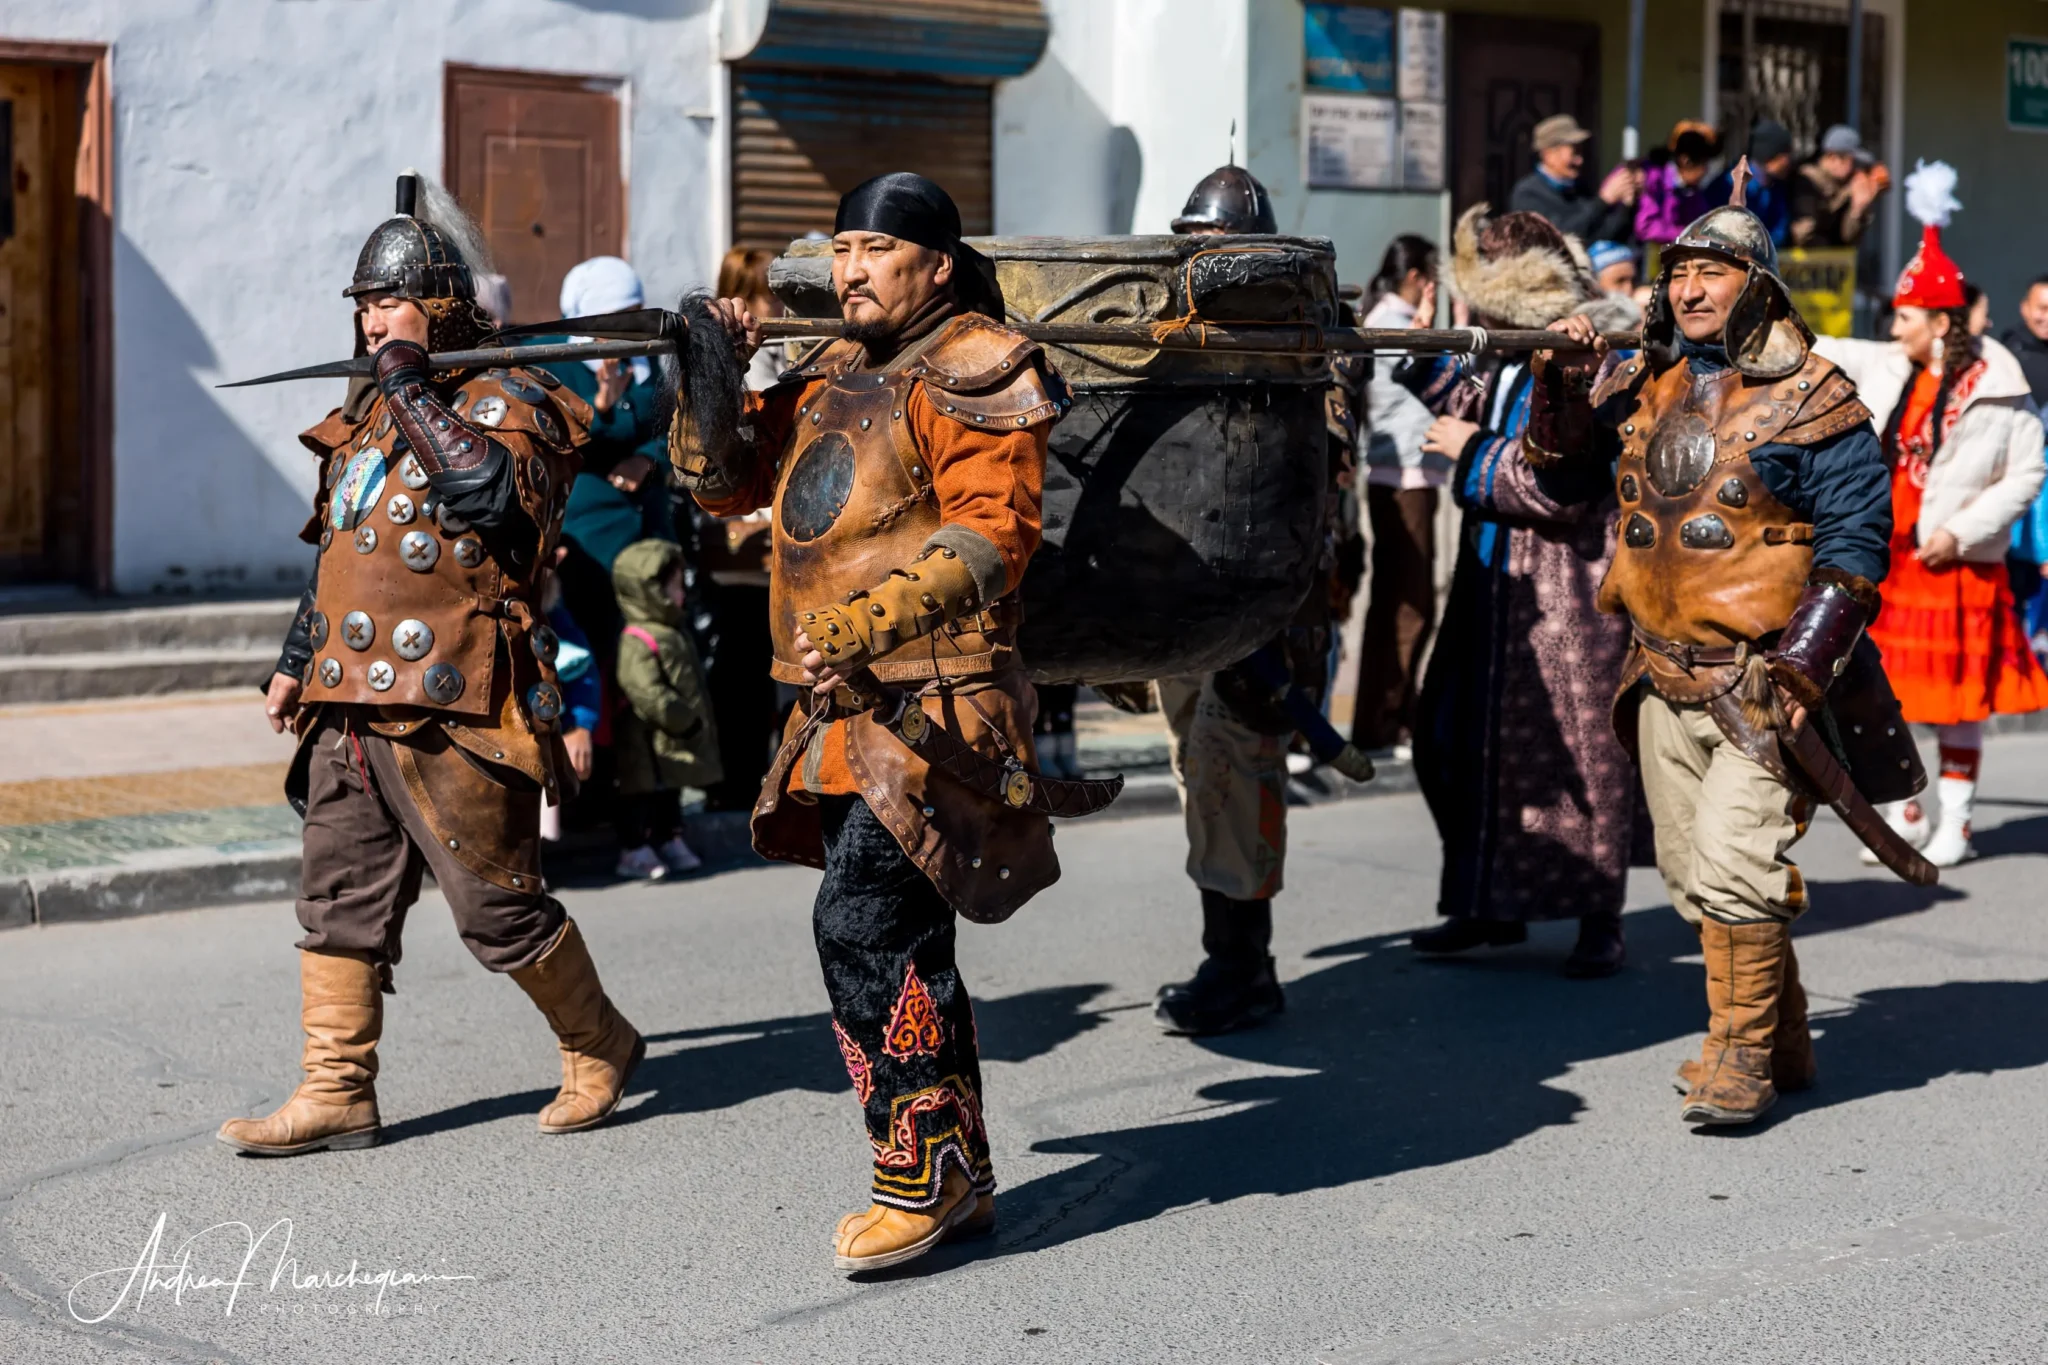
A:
[1814,648]
[1560,410]
[907,605]
[455,455]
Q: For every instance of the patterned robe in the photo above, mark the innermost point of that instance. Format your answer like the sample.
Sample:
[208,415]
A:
[1534,798]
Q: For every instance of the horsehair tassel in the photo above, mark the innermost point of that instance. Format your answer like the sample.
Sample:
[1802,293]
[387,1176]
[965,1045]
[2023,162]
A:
[1757,694]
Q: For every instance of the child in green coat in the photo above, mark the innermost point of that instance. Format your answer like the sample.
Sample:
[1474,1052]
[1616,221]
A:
[665,738]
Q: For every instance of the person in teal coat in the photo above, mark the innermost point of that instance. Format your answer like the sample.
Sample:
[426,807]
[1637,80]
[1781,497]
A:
[621,495]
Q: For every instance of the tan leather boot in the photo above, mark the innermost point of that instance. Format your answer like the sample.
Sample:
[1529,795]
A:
[883,1236]
[335,1107]
[1745,978]
[599,1048]
[1792,1064]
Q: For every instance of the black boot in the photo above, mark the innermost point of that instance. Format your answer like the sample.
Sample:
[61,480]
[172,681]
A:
[1235,986]
[1600,950]
[1460,932]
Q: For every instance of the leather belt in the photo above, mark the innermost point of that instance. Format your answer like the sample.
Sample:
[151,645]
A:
[1691,657]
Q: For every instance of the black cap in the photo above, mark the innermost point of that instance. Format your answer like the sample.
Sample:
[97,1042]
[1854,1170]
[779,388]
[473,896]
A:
[904,205]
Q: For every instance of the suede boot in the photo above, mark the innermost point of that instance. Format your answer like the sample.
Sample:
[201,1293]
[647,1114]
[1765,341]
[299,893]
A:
[335,1107]
[599,1048]
[1745,979]
[884,1235]
[1235,987]
[1792,1064]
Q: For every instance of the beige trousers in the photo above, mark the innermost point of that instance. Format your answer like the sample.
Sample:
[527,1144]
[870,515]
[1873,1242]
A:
[1233,791]
[1723,822]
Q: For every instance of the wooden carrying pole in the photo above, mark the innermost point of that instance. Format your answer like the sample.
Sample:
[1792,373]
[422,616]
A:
[1252,338]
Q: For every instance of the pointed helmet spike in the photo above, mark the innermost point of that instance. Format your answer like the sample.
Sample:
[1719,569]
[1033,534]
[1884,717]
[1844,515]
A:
[1231,148]
[1738,183]
[408,194]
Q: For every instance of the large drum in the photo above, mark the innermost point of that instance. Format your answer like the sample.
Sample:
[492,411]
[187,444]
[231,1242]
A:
[1185,492]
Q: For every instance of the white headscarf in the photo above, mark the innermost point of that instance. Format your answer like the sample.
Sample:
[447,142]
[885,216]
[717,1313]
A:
[604,284]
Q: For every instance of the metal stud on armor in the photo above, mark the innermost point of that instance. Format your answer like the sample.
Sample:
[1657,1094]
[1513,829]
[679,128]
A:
[411,475]
[381,675]
[358,631]
[443,684]
[469,552]
[330,672]
[316,631]
[366,539]
[412,639]
[399,509]
[544,703]
[419,551]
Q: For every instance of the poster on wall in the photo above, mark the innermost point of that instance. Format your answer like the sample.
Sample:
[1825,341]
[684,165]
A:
[2026,85]
[1350,142]
[1422,55]
[1348,48]
[1422,145]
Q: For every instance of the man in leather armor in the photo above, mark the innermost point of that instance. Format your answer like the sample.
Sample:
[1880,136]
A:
[904,466]
[1755,516]
[418,676]
[1229,753]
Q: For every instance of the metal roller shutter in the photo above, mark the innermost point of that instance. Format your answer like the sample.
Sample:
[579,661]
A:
[803,138]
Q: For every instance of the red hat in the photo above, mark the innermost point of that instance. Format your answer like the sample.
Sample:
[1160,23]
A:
[1931,279]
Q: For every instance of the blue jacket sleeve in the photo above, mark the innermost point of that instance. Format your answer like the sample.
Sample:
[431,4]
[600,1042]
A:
[1844,488]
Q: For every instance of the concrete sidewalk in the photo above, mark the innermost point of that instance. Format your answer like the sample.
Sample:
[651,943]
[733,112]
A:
[142,805]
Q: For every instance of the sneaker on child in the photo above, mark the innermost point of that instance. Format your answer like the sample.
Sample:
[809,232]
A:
[678,857]
[642,864]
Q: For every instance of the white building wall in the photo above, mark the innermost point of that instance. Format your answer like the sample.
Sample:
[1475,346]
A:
[255,145]
[1131,105]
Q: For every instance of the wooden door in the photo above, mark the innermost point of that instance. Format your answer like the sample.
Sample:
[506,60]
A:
[43,518]
[1507,75]
[535,160]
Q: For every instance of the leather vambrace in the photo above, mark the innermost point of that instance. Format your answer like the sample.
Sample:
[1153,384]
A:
[455,455]
[1560,410]
[907,605]
[1814,648]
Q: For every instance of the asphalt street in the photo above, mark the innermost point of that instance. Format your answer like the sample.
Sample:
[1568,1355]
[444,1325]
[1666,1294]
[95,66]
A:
[1419,1162]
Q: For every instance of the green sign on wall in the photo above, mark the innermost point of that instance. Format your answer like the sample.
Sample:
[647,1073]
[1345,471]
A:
[2026,84]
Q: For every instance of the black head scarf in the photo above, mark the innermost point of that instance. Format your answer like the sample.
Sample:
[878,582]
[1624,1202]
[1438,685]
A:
[905,205]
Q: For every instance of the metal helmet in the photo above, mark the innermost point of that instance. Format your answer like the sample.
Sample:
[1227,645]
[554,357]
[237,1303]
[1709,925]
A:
[409,256]
[1229,199]
[1765,337]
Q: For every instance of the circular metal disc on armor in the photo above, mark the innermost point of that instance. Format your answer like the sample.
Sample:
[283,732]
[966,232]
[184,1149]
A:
[549,427]
[544,703]
[381,675]
[411,639]
[1681,455]
[448,521]
[366,539]
[546,644]
[537,476]
[419,551]
[400,509]
[469,552]
[443,683]
[360,488]
[358,631]
[411,474]
[545,378]
[330,672]
[522,388]
[316,630]
[818,487]
[326,539]
[384,423]
[1706,533]
[1640,533]
[1017,789]
[912,725]
[489,410]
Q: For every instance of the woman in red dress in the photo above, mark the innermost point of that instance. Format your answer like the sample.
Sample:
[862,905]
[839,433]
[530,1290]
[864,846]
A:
[1964,440]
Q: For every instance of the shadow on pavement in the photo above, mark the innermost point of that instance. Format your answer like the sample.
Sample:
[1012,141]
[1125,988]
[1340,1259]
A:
[1415,1065]
[730,1065]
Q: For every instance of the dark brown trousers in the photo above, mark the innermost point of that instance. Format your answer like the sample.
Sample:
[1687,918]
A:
[367,845]
[1399,616]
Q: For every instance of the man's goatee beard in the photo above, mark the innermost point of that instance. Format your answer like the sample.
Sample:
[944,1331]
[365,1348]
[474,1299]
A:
[869,333]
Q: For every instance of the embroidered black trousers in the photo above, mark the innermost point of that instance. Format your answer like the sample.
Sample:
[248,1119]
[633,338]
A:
[900,1013]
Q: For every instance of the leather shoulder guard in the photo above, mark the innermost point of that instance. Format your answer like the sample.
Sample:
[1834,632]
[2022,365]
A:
[1827,403]
[1619,376]
[503,402]
[333,432]
[982,374]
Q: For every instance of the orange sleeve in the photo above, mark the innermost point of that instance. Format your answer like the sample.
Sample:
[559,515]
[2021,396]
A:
[772,414]
[990,481]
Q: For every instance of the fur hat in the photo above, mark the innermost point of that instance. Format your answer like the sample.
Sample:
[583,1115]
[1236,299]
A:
[1519,270]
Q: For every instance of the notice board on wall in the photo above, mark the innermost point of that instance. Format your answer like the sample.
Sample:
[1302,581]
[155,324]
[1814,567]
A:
[1372,109]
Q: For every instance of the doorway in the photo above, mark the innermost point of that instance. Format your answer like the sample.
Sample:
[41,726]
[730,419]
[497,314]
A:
[55,409]
[1507,75]
[535,159]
